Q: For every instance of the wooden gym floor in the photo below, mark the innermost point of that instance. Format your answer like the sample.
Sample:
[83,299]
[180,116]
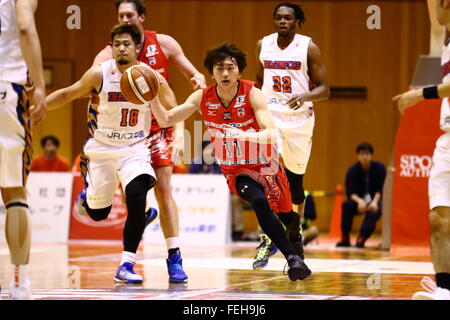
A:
[84,270]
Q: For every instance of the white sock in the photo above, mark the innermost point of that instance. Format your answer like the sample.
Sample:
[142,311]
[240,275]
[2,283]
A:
[172,243]
[128,257]
[20,274]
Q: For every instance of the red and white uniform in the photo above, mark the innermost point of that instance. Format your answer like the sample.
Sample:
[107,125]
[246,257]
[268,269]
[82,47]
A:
[160,138]
[236,157]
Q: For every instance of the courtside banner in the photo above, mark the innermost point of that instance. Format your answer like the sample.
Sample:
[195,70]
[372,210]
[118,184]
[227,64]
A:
[414,144]
[203,202]
[49,195]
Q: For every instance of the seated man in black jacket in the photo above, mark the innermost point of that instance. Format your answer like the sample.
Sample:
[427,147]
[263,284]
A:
[363,186]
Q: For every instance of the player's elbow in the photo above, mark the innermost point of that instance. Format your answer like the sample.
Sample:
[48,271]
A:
[25,27]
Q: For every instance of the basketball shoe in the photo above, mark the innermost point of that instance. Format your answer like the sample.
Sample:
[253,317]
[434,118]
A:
[298,270]
[265,250]
[175,268]
[20,292]
[126,274]
[81,200]
[432,291]
[150,215]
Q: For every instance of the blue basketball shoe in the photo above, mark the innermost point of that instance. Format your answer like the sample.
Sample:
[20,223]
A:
[175,268]
[126,274]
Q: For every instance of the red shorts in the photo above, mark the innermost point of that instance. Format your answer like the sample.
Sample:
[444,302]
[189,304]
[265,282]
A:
[276,186]
[159,147]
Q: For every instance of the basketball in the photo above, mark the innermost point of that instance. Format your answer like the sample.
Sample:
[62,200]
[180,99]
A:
[139,84]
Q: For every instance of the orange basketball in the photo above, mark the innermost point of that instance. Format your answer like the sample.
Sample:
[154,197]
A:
[139,84]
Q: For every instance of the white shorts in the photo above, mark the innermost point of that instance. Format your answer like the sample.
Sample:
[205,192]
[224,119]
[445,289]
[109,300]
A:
[108,165]
[295,139]
[439,181]
[16,148]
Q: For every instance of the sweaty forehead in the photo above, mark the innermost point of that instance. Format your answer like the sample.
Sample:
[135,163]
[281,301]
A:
[285,11]
[127,7]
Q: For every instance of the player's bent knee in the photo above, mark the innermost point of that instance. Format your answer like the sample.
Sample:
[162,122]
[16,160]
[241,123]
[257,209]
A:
[99,214]
[137,189]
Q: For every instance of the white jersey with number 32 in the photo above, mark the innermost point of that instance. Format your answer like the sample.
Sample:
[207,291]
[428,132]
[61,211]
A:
[285,72]
[12,65]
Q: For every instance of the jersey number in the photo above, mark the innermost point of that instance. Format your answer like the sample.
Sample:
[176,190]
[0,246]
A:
[282,84]
[129,117]
[236,146]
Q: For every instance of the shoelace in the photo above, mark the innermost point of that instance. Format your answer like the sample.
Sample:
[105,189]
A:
[428,284]
[263,249]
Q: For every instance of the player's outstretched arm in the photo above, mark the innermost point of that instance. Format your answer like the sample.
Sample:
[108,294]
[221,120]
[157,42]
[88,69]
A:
[167,118]
[89,82]
[268,133]
[409,98]
[31,51]
[182,63]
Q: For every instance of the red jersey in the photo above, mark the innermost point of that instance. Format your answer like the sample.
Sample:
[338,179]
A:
[232,153]
[255,160]
[152,55]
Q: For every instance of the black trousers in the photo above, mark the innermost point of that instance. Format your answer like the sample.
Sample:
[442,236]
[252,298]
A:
[349,210]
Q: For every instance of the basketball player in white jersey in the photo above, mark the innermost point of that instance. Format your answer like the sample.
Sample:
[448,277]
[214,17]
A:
[20,57]
[117,150]
[289,63]
[439,181]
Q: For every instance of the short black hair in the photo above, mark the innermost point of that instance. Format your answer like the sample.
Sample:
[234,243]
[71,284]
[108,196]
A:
[225,51]
[364,146]
[138,4]
[130,29]
[51,138]
[299,14]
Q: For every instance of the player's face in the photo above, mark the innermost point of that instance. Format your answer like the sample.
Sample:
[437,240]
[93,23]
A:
[364,158]
[124,49]
[226,73]
[285,20]
[127,13]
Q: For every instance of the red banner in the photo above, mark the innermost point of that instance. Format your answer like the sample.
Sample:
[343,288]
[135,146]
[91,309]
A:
[414,144]
[83,227]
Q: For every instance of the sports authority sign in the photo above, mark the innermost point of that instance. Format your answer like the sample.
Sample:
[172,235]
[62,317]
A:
[414,144]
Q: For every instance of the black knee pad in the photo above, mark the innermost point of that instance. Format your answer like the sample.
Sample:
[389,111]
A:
[138,187]
[296,187]
[98,214]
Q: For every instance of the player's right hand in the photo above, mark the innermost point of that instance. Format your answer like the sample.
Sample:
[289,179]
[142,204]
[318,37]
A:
[39,108]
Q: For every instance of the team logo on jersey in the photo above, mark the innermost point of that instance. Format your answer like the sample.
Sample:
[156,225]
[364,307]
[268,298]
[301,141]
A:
[241,112]
[151,50]
[240,101]
[212,113]
[152,61]
[211,105]
[284,65]
[226,115]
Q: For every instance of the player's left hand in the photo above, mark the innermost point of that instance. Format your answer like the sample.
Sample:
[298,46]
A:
[296,101]
[407,99]
[198,81]
[177,147]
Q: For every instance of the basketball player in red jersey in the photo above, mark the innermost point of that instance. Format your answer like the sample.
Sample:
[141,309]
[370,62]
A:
[166,144]
[243,133]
